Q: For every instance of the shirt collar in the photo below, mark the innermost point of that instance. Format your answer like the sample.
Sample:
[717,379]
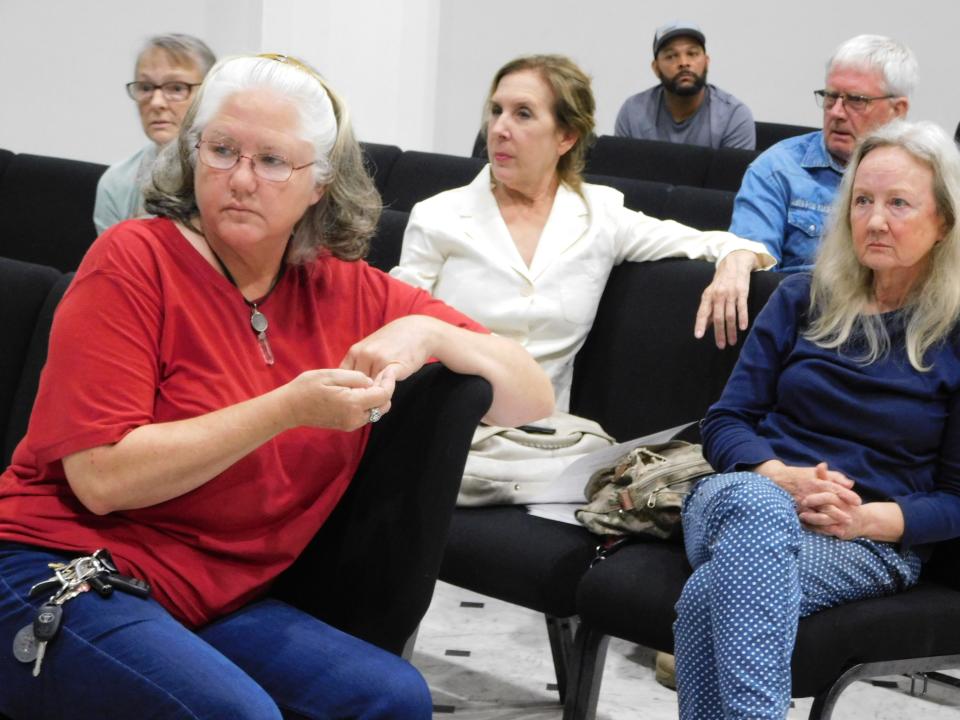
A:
[817,156]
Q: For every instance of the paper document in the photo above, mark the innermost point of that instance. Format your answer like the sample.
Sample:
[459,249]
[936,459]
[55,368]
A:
[567,489]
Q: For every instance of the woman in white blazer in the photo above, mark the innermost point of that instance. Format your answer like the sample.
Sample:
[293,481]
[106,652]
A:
[526,248]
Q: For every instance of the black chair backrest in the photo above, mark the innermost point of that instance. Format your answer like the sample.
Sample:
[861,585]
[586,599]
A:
[674,163]
[28,295]
[665,376]
[385,246]
[480,145]
[727,167]
[46,210]
[5,157]
[769,133]
[419,175]
[378,160]
[646,196]
[702,208]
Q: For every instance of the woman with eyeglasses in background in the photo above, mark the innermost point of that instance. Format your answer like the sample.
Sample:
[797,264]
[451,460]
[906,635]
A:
[167,70]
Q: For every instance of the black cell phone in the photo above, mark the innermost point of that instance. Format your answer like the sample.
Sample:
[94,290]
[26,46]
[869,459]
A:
[538,429]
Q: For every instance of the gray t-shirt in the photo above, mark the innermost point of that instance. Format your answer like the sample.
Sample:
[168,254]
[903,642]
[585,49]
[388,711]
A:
[720,121]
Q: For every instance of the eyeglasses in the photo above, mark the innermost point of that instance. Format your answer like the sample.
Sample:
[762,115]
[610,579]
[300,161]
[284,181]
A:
[854,103]
[174,91]
[267,166]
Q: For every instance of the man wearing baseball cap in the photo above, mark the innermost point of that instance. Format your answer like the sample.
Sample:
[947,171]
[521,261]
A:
[685,108]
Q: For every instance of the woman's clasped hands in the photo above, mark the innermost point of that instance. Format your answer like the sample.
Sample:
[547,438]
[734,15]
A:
[825,500]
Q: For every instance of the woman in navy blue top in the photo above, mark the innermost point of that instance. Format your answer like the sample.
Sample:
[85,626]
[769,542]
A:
[837,436]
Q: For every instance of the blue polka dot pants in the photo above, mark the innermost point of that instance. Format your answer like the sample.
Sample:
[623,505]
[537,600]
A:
[756,572]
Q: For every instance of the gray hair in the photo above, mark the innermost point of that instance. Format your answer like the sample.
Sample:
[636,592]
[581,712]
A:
[185,49]
[893,60]
[346,216]
[842,288]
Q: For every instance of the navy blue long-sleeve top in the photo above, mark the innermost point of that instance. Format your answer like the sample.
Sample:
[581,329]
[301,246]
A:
[893,430]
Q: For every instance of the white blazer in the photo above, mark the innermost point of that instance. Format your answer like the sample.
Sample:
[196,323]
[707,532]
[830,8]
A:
[458,247]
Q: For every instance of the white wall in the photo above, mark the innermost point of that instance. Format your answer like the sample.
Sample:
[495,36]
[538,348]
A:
[415,72]
[769,54]
[380,55]
[63,65]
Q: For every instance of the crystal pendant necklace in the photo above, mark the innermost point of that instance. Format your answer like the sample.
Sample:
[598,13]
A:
[258,321]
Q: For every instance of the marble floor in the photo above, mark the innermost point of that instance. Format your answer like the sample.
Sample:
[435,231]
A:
[485,659]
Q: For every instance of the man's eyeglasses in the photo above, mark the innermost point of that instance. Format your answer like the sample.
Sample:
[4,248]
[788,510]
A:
[855,103]
[175,91]
[267,166]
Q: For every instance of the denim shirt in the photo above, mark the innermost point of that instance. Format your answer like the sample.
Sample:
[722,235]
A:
[785,198]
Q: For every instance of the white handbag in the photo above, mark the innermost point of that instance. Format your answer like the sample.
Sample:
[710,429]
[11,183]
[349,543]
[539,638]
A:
[511,466]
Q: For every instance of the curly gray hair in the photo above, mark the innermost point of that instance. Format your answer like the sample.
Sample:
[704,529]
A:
[344,219]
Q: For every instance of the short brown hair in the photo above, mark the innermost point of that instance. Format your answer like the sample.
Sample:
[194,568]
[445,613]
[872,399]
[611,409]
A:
[573,106]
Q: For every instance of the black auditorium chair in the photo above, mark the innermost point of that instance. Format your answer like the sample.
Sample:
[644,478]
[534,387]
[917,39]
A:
[912,632]
[418,175]
[5,157]
[640,371]
[770,133]
[674,163]
[46,209]
[646,196]
[28,295]
[378,160]
[423,440]
[701,208]
[480,145]
[727,166]
[385,246]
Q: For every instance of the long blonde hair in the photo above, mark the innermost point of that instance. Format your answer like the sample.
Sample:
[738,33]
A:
[842,288]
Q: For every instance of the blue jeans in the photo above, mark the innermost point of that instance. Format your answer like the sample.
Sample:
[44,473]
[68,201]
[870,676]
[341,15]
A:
[125,657]
[756,573]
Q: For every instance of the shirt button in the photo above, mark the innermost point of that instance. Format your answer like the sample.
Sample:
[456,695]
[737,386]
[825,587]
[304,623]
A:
[813,228]
[526,291]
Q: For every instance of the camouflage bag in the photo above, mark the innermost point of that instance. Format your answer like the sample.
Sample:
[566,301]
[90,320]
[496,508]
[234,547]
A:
[644,492]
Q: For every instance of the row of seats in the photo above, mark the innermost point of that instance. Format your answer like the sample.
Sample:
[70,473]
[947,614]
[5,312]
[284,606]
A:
[639,371]
[32,184]
[674,163]
[768,133]
[642,169]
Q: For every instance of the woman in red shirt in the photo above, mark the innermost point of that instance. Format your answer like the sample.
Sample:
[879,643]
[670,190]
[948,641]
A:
[211,376]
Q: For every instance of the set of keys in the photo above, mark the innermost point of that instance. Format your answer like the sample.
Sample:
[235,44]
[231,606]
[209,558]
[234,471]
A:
[95,572]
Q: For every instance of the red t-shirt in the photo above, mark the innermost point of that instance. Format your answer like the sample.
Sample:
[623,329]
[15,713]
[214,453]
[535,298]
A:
[149,332]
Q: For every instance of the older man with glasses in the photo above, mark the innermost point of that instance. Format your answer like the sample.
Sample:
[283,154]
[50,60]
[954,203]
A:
[167,70]
[788,190]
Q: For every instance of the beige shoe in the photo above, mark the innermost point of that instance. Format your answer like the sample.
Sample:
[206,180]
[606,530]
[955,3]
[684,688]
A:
[666,673]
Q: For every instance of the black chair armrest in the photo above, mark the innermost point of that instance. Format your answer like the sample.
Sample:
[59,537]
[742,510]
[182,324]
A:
[28,295]
[372,567]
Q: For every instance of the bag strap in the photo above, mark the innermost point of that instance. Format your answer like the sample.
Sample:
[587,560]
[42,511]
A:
[609,545]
